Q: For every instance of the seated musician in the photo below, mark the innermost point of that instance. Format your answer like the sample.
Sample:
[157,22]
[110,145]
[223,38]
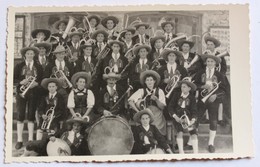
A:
[168,28]
[157,43]
[40,35]
[27,76]
[126,37]
[110,22]
[146,135]
[139,65]
[141,37]
[108,102]
[53,99]
[171,69]
[150,96]
[81,100]
[207,81]
[182,103]
[100,36]
[189,61]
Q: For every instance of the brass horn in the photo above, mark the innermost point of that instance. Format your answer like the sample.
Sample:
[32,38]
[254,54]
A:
[206,93]
[72,21]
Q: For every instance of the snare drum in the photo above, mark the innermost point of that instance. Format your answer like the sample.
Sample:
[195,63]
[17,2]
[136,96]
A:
[58,148]
[110,136]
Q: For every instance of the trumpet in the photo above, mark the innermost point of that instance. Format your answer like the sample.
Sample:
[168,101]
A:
[50,116]
[156,63]
[59,74]
[206,93]
[171,85]
[24,88]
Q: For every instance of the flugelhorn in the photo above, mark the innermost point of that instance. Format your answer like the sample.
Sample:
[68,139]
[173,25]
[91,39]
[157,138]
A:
[24,88]
[59,74]
[171,85]
[49,117]
[206,93]
[185,122]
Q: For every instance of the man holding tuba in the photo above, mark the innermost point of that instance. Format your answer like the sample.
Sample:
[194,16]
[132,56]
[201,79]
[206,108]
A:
[27,75]
[212,88]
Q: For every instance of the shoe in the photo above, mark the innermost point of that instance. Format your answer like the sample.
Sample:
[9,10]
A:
[211,149]
[187,147]
[18,145]
[222,123]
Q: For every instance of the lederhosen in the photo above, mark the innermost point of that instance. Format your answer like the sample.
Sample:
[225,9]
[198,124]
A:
[175,107]
[200,79]
[21,72]
[159,120]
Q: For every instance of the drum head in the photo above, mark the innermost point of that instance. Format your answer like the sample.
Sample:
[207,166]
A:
[58,148]
[156,151]
[110,136]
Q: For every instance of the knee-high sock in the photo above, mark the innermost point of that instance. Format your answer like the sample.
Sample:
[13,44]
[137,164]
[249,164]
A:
[194,142]
[212,134]
[20,126]
[39,134]
[220,112]
[30,130]
[180,145]
[189,141]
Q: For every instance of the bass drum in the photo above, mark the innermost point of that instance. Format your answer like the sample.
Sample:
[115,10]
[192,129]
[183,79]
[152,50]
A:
[58,148]
[110,136]
[156,151]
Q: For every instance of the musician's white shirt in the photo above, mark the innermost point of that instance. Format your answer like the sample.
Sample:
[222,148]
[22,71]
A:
[110,32]
[140,93]
[41,57]
[75,45]
[142,38]
[87,58]
[209,75]
[159,50]
[141,61]
[90,99]
[129,44]
[109,89]
[52,95]
[31,64]
[168,34]
[185,55]
[171,66]
[57,63]
[183,102]
[71,135]
[115,56]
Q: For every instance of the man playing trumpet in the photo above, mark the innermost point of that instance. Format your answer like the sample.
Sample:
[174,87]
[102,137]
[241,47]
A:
[212,88]
[27,75]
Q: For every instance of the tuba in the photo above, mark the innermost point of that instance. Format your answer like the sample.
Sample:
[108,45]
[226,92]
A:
[24,88]
[50,116]
[72,21]
[206,93]
[171,85]
[59,74]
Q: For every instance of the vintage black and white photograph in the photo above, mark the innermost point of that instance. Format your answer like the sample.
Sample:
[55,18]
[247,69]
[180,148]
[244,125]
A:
[115,83]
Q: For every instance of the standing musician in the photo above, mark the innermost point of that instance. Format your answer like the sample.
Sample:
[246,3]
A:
[126,37]
[146,135]
[74,45]
[157,44]
[94,21]
[27,75]
[100,36]
[189,61]
[212,88]
[168,28]
[108,103]
[110,22]
[183,109]
[60,27]
[117,61]
[81,100]
[152,97]
[44,51]
[40,35]
[140,64]
[141,37]
[51,107]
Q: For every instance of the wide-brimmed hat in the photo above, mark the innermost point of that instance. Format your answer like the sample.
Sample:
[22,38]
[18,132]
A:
[97,18]
[46,81]
[75,32]
[137,116]
[45,45]
[150,72]
[77,119]
[129,29]
[206,56]
[163,24]
[113,18]
[190,43]
[46,32]
[121,44]
[78,75]
[88,44]
[57,23]
[141,24]
[189,83]
[137,48]
[59,49]
[154,39]
[25,49]
[111,75]
[95,33]
[166,52]
[212,39]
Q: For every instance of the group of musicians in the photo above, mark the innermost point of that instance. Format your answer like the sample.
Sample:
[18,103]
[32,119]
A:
[78,75]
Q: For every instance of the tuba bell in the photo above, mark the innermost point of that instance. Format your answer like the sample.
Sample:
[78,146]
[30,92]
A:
[72,21]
